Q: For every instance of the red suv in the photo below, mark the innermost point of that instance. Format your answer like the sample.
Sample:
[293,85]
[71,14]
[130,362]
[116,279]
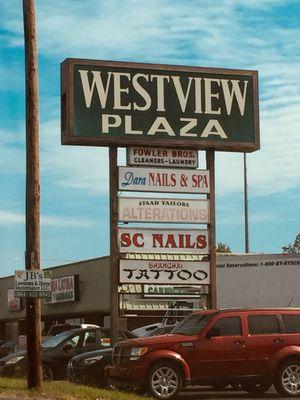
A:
[251,349]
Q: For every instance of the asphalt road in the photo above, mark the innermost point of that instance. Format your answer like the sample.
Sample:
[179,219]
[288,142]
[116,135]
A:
[200,393]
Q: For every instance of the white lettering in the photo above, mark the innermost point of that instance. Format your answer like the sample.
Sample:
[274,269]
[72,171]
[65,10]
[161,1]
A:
[89,90]
[209,95]
[228,95]
[118,90]
[142,92]
[161,121]
[106,124]
[213,123]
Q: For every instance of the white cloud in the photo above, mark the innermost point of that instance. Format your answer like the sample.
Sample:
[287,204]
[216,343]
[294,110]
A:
[231,33]
[9,218]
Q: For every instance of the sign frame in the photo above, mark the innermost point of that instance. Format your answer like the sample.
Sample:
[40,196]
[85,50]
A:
[69,137]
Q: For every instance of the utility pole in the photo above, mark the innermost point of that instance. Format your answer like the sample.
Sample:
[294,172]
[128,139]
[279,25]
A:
[246,206]
[32,257]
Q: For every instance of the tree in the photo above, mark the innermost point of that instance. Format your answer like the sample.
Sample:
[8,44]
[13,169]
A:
[295,248]
[223,248]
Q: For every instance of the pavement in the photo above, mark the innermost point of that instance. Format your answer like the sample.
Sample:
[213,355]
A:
[199,393]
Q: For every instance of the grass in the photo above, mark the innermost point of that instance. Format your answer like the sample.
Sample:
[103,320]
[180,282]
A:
[59,390]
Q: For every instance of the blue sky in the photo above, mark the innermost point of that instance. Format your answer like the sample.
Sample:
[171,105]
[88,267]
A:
[254,34]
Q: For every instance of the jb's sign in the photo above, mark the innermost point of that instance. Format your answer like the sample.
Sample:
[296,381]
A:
[117,103]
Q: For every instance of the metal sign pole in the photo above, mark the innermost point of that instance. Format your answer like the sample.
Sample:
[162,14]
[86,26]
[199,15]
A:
[114,253]
[210,165]
[32,259]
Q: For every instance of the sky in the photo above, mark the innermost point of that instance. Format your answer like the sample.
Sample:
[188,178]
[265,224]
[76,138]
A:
[260,35]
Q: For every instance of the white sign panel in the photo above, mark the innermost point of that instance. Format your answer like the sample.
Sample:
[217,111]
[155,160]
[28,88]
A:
[133,209]
[167,241]
[13,303]
[140,179]
[146,156]
[164,272]
[33,280]
[64,289]
[174,291]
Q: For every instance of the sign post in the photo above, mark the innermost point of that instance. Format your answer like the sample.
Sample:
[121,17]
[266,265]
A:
[114,254]
[210,164]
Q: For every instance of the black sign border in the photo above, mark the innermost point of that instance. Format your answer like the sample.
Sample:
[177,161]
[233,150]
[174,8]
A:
[68,136]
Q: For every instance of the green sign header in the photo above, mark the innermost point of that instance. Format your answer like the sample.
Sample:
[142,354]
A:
[115,103]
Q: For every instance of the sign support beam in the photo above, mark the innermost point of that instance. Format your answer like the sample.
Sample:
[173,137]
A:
[210,165]
[114,254]
[32,258]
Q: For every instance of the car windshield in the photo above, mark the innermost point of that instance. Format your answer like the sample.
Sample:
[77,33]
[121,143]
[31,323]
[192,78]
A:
[192,325]
[56,340]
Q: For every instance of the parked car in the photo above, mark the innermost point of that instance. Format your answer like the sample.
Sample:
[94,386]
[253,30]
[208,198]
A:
[88,368]
[58,328]
[57,351]
[7,347]
[254,348]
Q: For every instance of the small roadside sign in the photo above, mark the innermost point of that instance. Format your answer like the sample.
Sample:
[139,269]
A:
[33,283]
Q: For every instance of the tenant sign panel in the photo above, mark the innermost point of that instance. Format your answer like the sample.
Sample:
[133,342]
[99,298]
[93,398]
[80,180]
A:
[145,156]
[164,272]
[64,289]
[140,179]
[137,209]
[166,241]
[117,103]
[32,283]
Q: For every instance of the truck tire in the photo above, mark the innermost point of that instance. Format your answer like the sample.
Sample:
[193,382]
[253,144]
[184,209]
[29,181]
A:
[164,380]
[287,381]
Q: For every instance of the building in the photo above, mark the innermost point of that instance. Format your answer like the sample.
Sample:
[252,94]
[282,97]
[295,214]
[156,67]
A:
[81,292]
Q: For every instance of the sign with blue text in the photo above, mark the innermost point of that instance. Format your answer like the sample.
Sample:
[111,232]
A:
[140,179]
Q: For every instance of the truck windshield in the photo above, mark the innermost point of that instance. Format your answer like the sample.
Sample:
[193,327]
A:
[192,325]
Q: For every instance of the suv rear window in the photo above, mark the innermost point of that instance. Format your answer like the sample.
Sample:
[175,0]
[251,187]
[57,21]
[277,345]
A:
[291,323]
[263,324]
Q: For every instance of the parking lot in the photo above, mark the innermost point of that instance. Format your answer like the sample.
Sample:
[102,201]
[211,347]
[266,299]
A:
[198,393]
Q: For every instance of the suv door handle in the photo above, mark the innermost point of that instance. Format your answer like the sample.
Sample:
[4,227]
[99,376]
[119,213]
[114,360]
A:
[241,341]
[279,340]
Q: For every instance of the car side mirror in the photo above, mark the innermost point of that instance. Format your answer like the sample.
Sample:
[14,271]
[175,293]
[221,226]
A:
[213,332]
[67,347]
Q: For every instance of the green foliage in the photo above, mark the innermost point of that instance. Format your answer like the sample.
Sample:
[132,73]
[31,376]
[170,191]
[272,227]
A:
[223,248]
[293,249]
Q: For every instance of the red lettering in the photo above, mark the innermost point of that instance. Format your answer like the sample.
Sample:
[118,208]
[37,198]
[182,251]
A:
[171,242]
[157,238]
[125,240]
[135,240]
[201,242]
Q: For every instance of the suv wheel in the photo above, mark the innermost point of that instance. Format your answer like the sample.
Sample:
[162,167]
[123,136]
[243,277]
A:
[164,380]
[47,373]
[287,380]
